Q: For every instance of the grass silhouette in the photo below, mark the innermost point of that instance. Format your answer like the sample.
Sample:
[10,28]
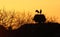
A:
[16,20]
[13,19]
[23,25]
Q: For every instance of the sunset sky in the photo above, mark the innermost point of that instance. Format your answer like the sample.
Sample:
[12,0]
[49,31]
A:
[49,7]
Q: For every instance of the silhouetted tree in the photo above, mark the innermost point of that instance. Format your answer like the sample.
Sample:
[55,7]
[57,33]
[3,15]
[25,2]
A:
[39,17]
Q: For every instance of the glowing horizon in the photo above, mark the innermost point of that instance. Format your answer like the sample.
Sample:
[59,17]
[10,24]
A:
[49,7]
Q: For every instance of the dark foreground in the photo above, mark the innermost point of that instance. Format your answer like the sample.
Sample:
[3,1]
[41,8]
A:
[33,30]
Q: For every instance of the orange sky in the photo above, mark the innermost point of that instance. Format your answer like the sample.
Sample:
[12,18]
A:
[49,7]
